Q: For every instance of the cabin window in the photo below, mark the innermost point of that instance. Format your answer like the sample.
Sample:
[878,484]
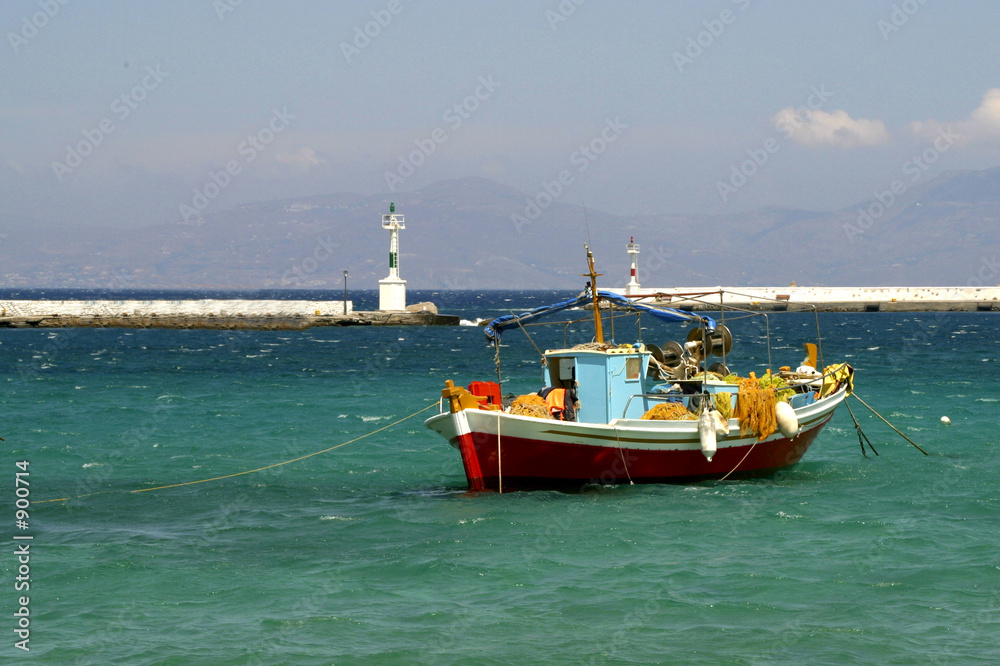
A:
[567,369]
[632,368]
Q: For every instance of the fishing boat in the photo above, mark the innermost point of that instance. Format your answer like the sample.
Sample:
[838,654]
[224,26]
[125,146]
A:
[636,412]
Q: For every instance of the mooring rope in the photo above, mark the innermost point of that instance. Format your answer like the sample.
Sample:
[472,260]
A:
[249,471]
[862,437]
[886,421]
[622,454]
[741,461]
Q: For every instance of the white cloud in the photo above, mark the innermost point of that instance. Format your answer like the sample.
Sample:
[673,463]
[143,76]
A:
[304,157]
[983,126]
[818,128]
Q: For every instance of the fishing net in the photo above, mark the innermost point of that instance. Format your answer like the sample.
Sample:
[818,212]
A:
[596,346]
[709,376]
[784,394]
[755,409]
[723,404]
[530,405]
[669,411]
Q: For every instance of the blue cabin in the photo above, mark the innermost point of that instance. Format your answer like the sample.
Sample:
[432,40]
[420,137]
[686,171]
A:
[604,380]
[612,384]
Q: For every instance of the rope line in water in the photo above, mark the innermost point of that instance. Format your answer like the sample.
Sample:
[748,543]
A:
[249,471]
[862,437]
[886,421]
[756,442]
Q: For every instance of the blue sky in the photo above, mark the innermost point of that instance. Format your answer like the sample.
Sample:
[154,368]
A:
[716,106]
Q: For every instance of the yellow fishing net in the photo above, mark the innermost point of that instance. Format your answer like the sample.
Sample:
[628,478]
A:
[755,409]
[530,405]
[723,404]
[669,411]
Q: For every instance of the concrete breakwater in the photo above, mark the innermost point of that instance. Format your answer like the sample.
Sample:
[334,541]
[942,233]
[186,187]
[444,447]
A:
[831,299]
[209,313]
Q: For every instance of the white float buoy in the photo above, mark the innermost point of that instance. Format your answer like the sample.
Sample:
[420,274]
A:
[706,432]
[945,420]
[788,422]
[721,424]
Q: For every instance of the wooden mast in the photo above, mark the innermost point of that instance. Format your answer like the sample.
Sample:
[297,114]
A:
[598,326]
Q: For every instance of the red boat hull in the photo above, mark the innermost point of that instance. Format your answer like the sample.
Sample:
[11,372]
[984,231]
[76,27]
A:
[523,463]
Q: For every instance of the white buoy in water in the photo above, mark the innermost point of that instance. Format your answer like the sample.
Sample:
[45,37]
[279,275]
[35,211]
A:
[945,420]
[706,432]
[788,423]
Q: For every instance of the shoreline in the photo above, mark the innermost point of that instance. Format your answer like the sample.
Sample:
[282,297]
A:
[210,314]
[232,322]
[827,299]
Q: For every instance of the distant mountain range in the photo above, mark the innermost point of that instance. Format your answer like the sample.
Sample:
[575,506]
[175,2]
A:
[473,233]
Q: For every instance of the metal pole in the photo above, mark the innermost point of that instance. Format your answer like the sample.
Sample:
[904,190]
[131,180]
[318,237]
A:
[345,293]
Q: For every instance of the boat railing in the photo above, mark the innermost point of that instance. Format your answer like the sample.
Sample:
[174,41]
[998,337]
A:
[666,397]
[803,386]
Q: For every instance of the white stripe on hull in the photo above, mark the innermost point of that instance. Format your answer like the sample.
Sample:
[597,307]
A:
[621,433]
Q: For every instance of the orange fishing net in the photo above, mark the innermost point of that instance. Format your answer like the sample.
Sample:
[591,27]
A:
[755,409]
[530,405]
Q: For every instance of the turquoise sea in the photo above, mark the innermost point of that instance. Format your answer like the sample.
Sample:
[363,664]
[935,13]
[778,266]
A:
[374,553]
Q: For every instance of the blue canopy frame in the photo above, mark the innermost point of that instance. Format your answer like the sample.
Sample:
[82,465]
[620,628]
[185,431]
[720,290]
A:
[496,327]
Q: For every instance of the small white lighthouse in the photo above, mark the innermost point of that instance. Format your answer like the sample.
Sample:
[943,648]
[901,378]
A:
[632,288]
[392,290]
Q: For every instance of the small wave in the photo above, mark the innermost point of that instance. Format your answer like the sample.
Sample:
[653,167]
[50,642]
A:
[474,322]
[89,465]
[366,419]
[335,518]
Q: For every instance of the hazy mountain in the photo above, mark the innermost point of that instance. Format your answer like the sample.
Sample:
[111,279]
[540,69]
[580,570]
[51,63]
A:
[476,234]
